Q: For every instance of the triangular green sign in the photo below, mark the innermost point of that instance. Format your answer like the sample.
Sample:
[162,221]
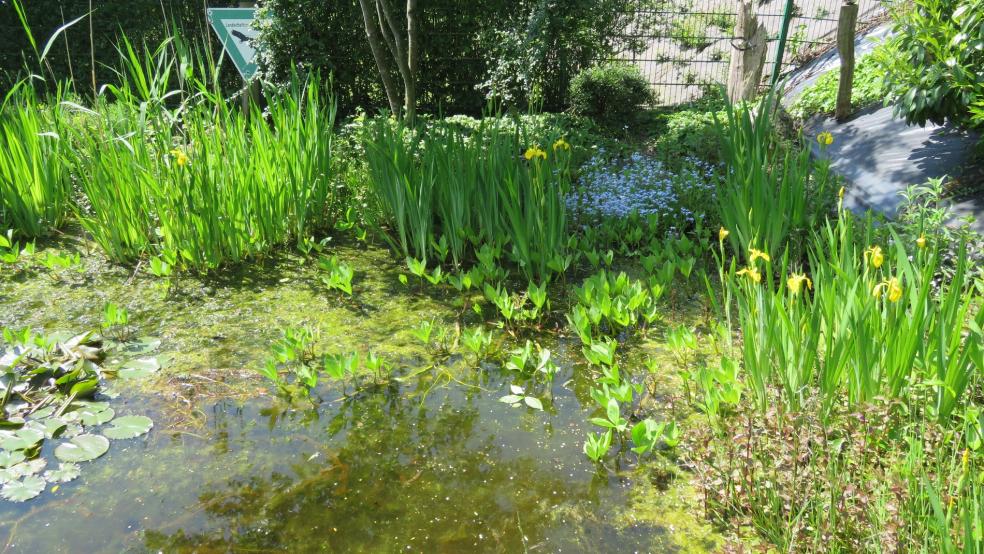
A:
[235,30]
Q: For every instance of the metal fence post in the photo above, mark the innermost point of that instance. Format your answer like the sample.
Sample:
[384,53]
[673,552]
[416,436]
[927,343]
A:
[787,17]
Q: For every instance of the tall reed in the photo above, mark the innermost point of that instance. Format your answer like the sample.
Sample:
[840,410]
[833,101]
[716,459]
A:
[436,185]
[35,187]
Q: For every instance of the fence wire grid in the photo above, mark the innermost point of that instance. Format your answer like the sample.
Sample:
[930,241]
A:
[687,43]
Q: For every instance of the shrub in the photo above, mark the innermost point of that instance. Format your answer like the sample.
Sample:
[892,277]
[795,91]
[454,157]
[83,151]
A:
[611,94]
[936,73]
[821,96]
[689,131]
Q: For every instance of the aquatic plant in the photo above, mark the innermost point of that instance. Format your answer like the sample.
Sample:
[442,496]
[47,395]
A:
[116,322]
[35,184]
[47,389]
[518,397]
[444,193]
[339,275]
[608,304]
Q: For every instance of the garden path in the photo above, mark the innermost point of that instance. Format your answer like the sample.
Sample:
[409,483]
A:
[880,155]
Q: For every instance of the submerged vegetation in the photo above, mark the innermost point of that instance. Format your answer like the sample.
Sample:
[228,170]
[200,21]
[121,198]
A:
[718,321]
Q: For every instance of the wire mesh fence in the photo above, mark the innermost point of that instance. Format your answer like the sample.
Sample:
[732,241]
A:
[688,42]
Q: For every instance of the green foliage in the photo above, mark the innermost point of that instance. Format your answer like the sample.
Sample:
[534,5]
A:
[773,193]
[612,94]
[35,188]
[933,64]
[145,21]
[689,131]
[434,185]
[821,97]
[695,31]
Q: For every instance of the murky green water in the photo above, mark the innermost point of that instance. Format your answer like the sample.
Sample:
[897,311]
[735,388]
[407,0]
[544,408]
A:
[434,463]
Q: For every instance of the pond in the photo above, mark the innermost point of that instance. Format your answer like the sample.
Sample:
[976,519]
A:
[428,461]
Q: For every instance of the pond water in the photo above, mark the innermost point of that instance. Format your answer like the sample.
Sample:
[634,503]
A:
[430,462]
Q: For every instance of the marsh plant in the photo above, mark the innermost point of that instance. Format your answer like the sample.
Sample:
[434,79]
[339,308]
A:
[434,184]
[48,388]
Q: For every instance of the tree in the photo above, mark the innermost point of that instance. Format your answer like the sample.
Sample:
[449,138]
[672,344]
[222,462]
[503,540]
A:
[394,45]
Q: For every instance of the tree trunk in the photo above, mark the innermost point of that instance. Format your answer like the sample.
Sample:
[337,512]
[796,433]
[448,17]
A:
[378,53]
[413,47]
[748,50]
[846,30]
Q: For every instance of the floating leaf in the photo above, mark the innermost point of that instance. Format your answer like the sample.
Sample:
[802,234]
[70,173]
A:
[95,414]
[29,468]
[138,368]
[26,489]
[142,345]
[82,448]
[8,459]
[53,427]
[7,475]
[21,439]
[533,402]
[511,399]
[128,427]
[64,473]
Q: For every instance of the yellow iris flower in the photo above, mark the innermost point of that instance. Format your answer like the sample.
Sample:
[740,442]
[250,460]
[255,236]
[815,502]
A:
[751,273]
[561,143]
[891,288]
[754,254]
[180,157]
[875,255]
[795,283]
[535,152]
[825,138]
[723,234]
[921,241]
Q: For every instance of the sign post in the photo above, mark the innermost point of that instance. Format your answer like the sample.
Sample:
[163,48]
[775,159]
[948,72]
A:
[235,30]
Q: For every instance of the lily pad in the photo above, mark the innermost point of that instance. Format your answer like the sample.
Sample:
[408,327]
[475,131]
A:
[128,427]
[94,413]
[138,368]
[64,473]
[21,439]
[26,489]
[142,345]
[9,459]
[82,448]
[31,467]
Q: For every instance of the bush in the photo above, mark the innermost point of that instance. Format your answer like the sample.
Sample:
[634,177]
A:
[936,73]
[611,94]
[689,131]
[821,96]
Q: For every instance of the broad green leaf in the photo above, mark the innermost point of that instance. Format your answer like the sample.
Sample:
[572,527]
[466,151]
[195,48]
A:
[21,439]
[128,427]
[82,448]
[96,414]
[64,473]
[138,368]
[26,489]
[511,399]
[9,459]
[533,402]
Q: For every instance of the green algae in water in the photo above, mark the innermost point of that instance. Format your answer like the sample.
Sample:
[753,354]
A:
[404,466]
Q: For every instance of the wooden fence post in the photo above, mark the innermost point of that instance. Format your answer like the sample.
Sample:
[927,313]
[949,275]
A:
[846,31]
[748,50]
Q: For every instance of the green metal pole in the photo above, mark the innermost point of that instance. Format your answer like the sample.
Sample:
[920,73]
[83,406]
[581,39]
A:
[787,17]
